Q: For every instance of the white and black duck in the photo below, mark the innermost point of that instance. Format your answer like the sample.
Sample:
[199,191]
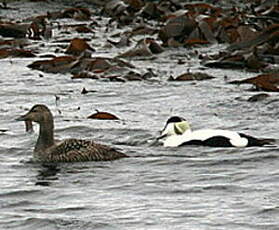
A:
[177,132]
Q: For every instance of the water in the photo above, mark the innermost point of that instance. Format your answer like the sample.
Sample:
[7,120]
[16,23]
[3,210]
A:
[156,188]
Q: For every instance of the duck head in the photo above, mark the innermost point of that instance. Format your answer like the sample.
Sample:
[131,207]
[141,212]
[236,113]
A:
[38,113]
[174,126]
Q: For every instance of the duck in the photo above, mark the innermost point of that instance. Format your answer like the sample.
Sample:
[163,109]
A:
[177,132]
[69,150]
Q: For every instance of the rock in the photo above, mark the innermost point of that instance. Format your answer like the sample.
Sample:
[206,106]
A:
[13,52]
[266,82]
[103,116]
[78,46]
[14,30]
[145,47]
[61,64]
[198,76]
[258,97]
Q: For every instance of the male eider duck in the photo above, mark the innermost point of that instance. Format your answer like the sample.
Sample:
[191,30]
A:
[69,150]
[177,132]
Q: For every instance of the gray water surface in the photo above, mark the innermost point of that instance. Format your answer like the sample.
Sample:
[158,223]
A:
[156,188]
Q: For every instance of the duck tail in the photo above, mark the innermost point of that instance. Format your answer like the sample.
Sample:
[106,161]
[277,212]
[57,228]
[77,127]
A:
[267,141]
[252,141]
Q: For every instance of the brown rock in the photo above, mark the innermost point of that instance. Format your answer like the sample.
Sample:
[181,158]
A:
[103,116]
[77,13]
[258,97]
[176,27]
[145,47]
[78,46]
[12,52]
[266,82]
[198,76]
[14,30]
[55,65]
[83,75]
[83,29]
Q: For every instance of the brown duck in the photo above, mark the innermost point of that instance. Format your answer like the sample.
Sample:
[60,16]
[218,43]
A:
[69,150]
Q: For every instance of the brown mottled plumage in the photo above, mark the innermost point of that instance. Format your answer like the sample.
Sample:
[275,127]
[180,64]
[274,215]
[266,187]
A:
[69,150]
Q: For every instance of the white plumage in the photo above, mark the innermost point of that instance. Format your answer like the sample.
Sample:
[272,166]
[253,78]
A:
[177,132]
[205,134]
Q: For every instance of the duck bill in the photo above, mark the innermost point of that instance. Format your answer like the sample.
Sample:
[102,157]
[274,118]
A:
[22,118]
[161,137]
[25,117]
[27,121]
[164,133]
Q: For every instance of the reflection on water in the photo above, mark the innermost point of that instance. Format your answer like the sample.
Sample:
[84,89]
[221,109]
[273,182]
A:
[47,174]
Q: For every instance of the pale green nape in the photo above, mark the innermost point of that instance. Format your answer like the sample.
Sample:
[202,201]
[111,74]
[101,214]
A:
[181,127]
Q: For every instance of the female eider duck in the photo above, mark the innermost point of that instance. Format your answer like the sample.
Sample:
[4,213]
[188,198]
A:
[69,150]
[177,132]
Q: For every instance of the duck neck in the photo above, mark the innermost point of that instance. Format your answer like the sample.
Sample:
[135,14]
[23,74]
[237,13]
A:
[45,139]
[187,132]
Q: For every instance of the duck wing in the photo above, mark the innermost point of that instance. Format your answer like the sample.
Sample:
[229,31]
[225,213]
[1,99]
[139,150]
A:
[215,138]
[75,150]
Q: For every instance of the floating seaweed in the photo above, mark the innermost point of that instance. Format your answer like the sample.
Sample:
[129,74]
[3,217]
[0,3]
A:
[198,76]
[266,82]
[103,116]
